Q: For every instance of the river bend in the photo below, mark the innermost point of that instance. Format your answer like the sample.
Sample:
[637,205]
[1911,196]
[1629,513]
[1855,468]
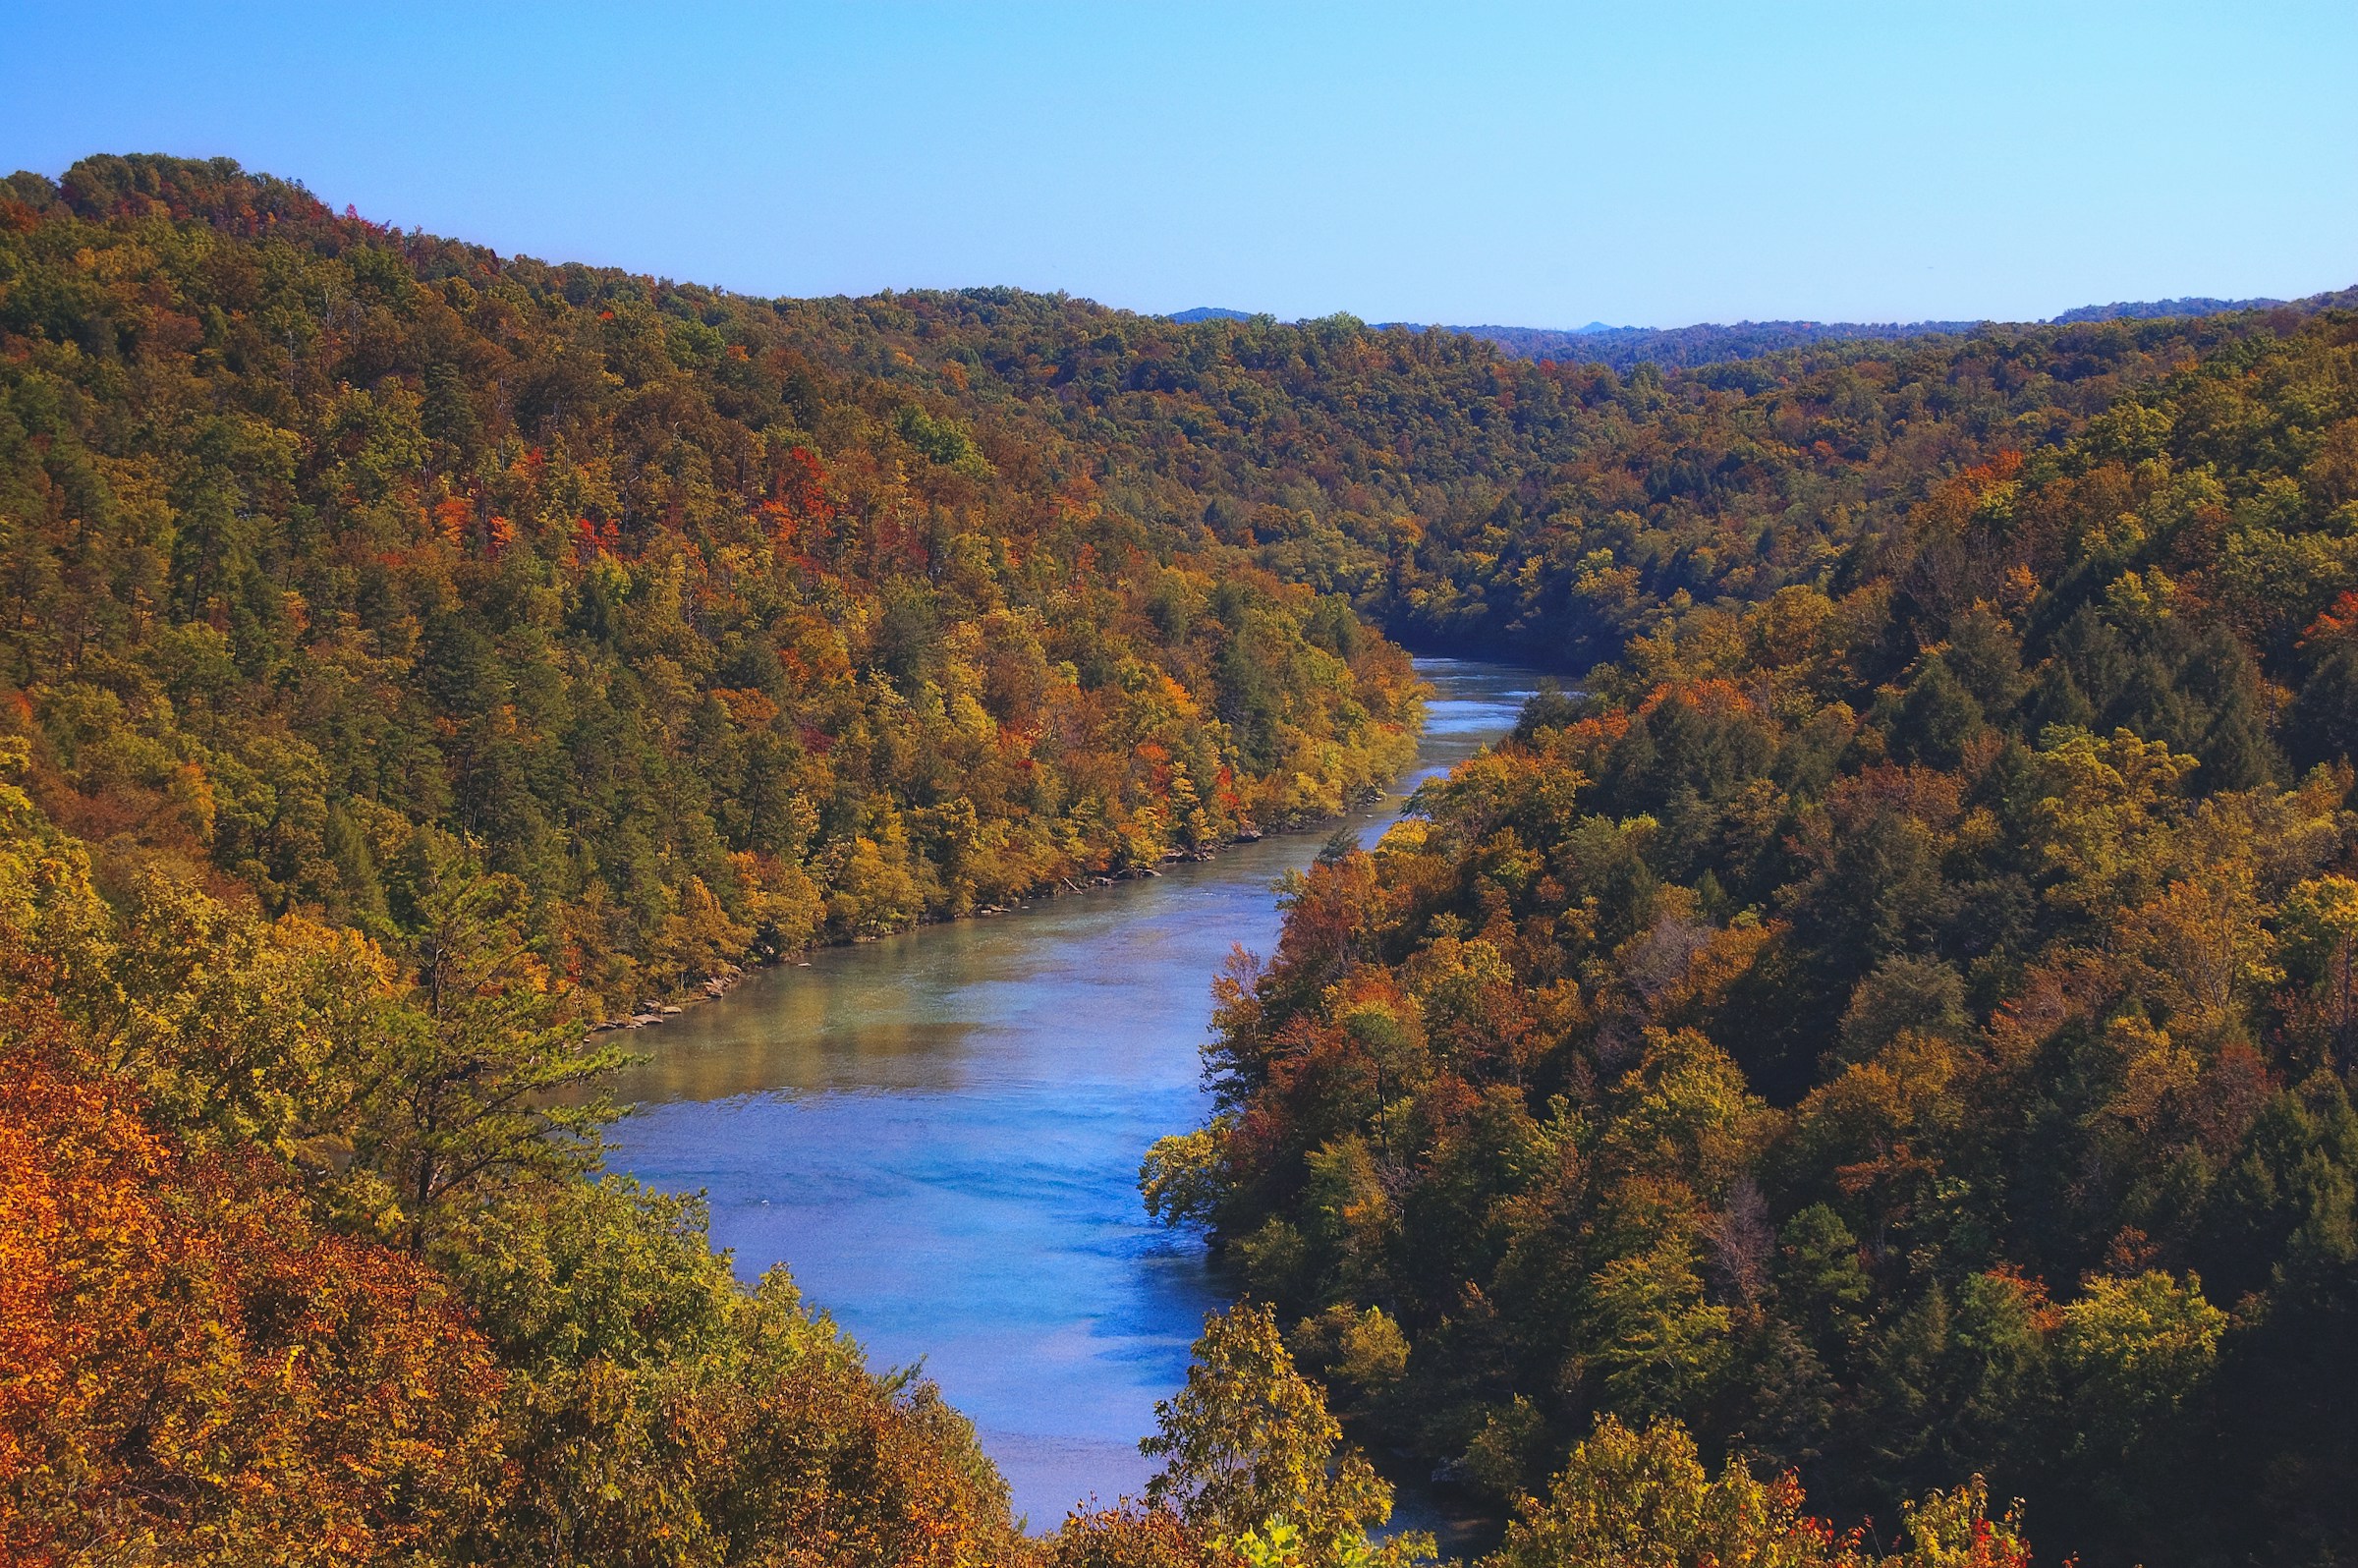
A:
[939,1132]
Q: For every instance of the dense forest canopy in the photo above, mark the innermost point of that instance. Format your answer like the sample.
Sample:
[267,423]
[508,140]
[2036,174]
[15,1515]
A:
[1891,1029]
[1468,501]
[1898,1026]
[318,535]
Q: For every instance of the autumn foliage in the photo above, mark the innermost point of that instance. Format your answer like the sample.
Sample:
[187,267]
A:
[1898,1027]
[322,539]
[196,1370]
[241,1331]
[1893,1026]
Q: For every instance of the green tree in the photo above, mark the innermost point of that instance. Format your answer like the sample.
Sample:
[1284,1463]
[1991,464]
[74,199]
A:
[1642,1499]
[472,1087]
[1249,1453]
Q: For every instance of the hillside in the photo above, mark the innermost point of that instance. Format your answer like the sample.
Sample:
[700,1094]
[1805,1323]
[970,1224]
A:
[1899,1025]
[1625,348]
[1468,501]
[1683,347]
[324,541]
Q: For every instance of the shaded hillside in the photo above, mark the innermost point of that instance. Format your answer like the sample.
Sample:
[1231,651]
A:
[1900,1025]
[1468,500]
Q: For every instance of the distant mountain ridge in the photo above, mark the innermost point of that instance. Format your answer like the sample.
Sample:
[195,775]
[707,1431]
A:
[2157,310]
[1706,343]
[1679,348]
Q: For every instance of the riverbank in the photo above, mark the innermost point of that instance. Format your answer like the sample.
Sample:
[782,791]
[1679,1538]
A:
[713,987]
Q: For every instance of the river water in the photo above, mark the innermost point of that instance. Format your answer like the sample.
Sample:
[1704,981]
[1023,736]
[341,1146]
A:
[939,1132]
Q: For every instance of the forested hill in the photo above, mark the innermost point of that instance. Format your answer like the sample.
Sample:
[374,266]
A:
[1899,1026]
[323,544]
[730,623]
[1465,499]
[1624,349]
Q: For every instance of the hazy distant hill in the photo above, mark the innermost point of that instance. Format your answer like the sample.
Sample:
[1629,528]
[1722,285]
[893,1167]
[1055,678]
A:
[2156,309]
[1677,348]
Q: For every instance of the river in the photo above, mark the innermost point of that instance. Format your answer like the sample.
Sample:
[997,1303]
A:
[939,1132]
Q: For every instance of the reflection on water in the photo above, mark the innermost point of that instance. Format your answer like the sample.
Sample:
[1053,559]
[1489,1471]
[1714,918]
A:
[939,1134]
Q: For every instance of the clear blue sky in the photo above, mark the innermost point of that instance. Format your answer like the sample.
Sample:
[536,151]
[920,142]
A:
[1539,165]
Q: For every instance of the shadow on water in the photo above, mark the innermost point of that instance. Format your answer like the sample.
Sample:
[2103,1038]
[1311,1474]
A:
[939,1134]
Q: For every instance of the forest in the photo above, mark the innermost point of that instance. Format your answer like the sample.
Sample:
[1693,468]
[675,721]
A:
[1873,1046]
[1467,501]
[324,541]
[1898,1027]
